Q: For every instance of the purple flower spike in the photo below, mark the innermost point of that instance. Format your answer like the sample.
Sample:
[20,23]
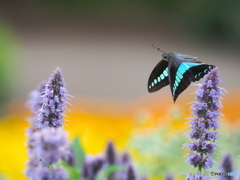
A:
[205,124]
[125,159]
[227,163]
[131,173]
[169,177]
[92,165]
[54,102]
[110,153]
[49,144]
[226,166]
[86,174]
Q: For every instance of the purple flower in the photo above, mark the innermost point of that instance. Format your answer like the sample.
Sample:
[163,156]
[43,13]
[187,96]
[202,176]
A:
[54,102]
[203,147]
[110,153]
[226,166]
[86,172]
[205,123]
[92,165]
[125,159]
[208,162]
[198,176]
[49,144]
[35,101]
[95,165]
[59,173]
[131,175]
[32,165]
[169,177]
[31,142]
[46,148]
[211,136]
[227,163]
[42,172]
[194,159]
[69,156]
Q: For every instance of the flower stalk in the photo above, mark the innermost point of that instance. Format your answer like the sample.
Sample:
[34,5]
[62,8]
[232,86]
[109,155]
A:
[204,126]
[47,141]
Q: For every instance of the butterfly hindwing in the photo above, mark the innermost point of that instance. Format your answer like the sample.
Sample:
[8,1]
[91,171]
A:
[159,77]
[183,72]
[198,72]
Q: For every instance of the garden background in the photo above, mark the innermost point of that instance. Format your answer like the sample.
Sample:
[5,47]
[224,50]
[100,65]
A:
[104,51]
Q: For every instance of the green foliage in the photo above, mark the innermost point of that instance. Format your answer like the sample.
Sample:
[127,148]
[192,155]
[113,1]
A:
[78,152]
[6,47]
[79,155]
[108,171]
[228,143]
[79,158]
[74,171]
[214,20]
[161,152]
[2,177]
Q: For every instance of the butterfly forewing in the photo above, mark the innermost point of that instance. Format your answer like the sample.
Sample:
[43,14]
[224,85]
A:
[182,85]
[176,76]
[159,77]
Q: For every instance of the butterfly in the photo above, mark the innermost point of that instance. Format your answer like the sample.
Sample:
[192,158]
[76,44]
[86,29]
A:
[178,70]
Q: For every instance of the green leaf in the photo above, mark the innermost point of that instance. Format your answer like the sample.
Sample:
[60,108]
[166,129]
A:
[108,171]
[78,152]
[73,173]
[79,158]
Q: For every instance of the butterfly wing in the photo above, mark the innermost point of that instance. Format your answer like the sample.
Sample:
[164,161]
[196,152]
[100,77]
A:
[180,83]
[159,77]
[199,71]
[183,72]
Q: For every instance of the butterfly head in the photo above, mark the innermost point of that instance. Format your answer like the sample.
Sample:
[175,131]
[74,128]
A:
[165,56]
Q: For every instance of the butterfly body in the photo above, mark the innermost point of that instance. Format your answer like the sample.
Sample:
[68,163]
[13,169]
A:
[178,71]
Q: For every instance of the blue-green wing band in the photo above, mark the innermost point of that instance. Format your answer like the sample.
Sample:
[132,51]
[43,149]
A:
[186,73]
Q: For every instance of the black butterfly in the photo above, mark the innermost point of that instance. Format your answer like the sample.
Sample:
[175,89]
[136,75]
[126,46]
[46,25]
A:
[178,70]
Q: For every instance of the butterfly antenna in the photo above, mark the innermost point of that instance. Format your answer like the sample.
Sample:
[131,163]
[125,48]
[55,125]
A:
[158,49]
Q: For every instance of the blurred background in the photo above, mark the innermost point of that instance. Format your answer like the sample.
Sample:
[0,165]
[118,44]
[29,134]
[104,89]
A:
[104,51]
